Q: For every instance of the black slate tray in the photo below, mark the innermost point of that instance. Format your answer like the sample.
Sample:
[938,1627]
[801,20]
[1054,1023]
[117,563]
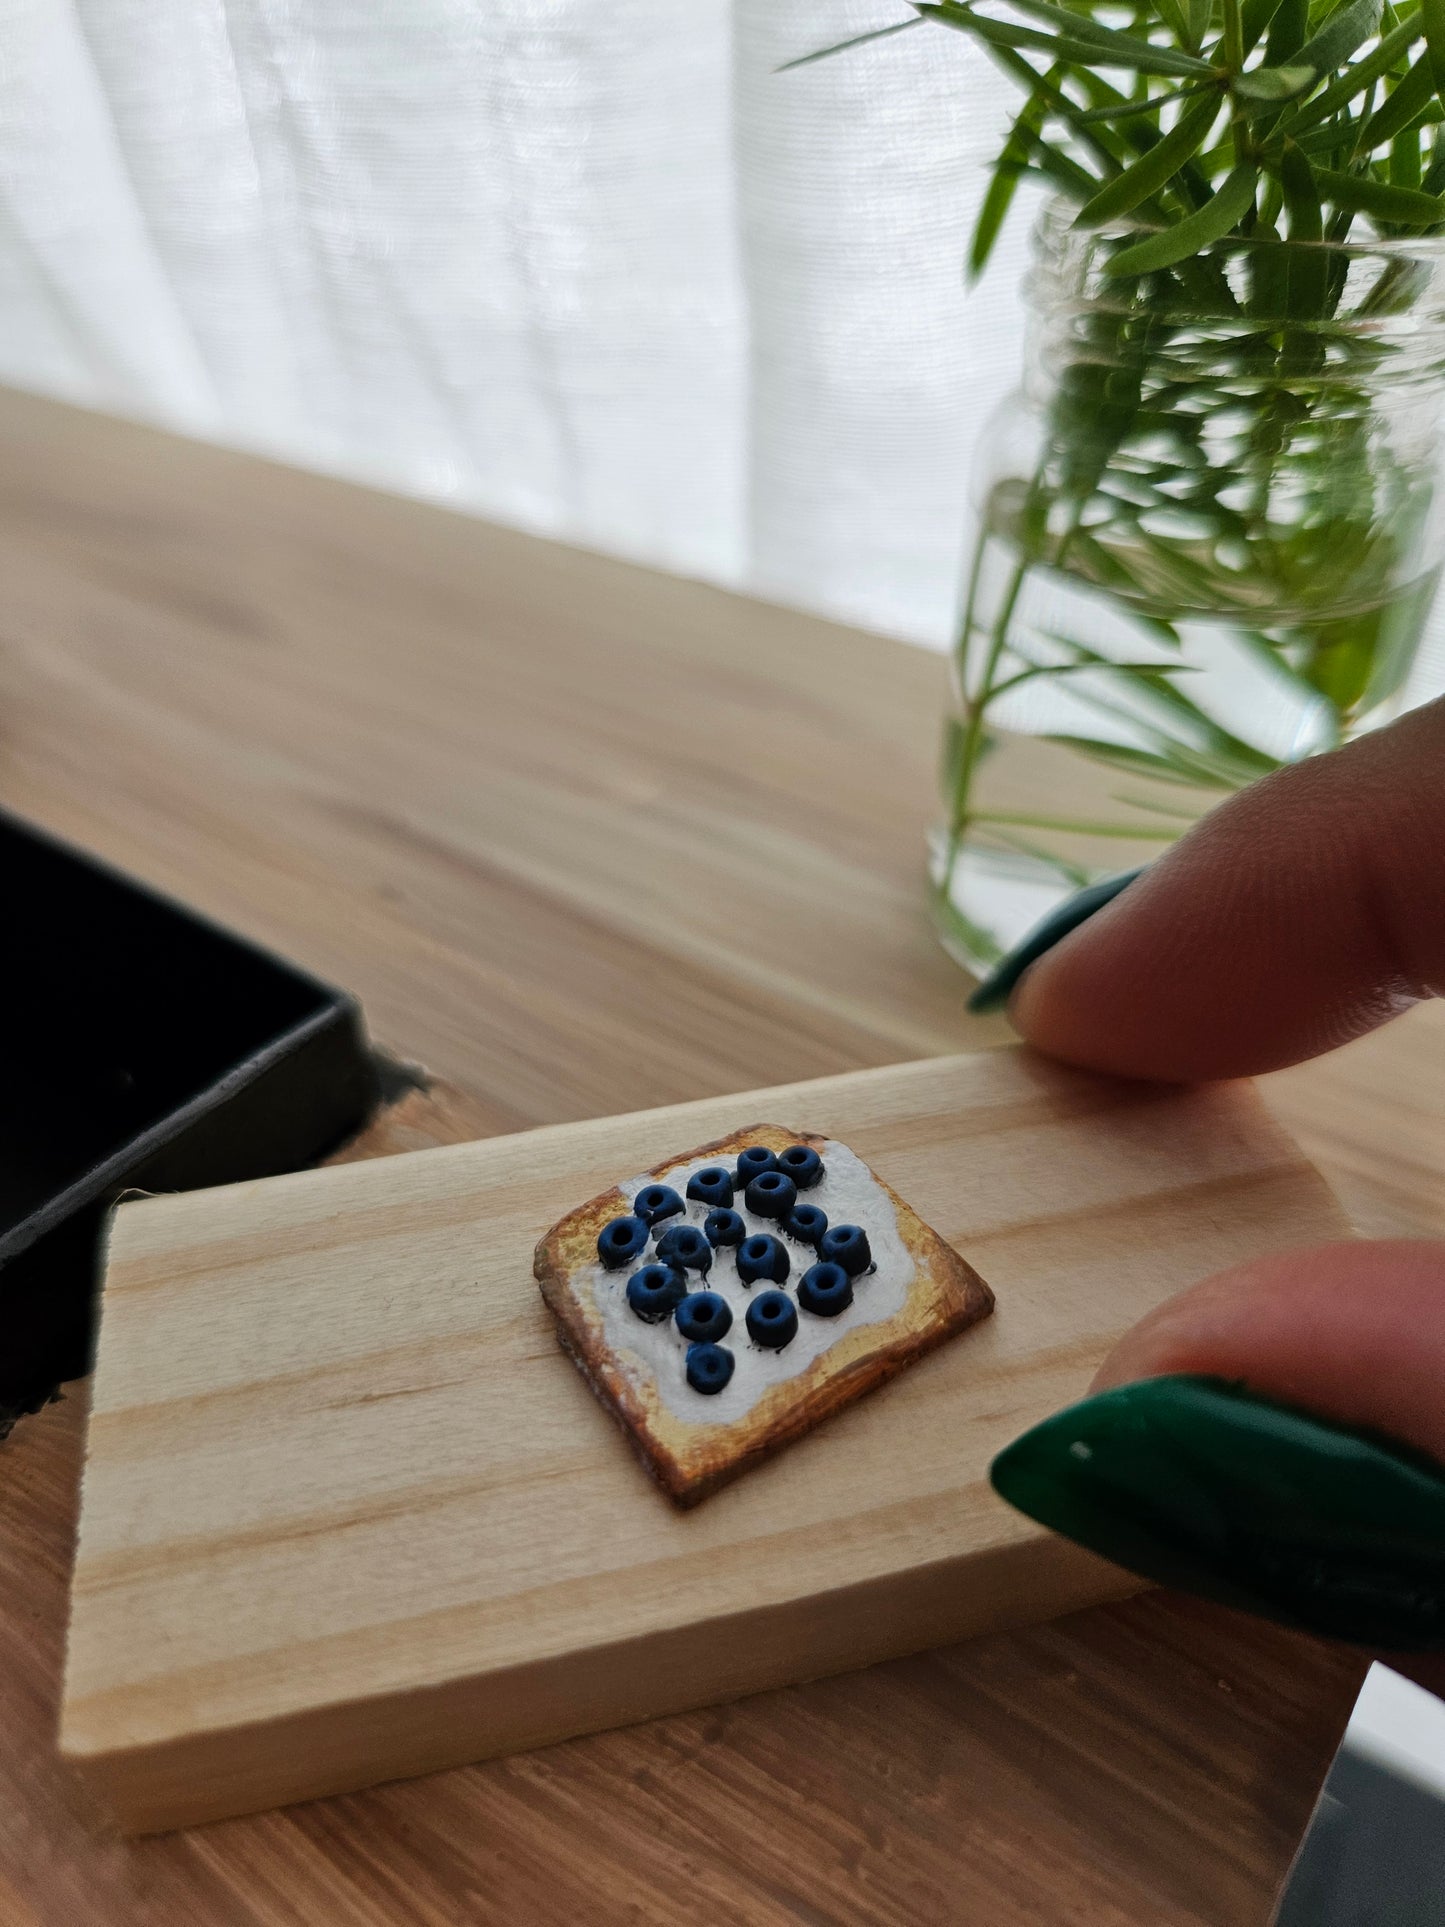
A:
[143,1048]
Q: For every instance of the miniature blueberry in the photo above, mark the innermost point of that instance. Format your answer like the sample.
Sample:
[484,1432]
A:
[846,1245]
[825,1290]
[703,1317]
[753,1162]
[620,1241]
[806,1223]
[724,1228]
[656,1291]
[712,1185]
[772,1320]
[762,1257]
[709,1367]
[772,1194]
[654,1202]
[685,1245]
[802,1164]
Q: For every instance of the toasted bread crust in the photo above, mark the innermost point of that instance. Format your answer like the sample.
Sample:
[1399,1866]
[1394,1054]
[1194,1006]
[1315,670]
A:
[690,1460]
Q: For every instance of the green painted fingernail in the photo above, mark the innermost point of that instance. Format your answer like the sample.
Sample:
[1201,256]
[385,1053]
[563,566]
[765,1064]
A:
[1197,1483]
[997,986]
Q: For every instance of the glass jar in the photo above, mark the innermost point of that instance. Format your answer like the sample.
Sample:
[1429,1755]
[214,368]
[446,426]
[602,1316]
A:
[1209,530]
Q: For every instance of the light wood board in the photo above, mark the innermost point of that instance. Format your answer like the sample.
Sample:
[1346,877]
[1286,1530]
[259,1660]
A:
[319,713]
[349,1514]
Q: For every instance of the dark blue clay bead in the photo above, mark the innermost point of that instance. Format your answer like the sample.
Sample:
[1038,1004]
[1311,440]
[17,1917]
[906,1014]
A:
[654,1202]
[772,1320]
[709,1367]
[753,1162]
[724,1228]
[846,1245]
[825,1290]
[703,1317]
[685,1245]
[620,1241]
[714,1185]
[762,1256]
[802,1164]
[655,1292]
[771,1195]
[807,1224]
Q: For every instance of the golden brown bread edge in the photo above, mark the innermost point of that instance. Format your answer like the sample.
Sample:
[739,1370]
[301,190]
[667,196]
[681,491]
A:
[689,1461]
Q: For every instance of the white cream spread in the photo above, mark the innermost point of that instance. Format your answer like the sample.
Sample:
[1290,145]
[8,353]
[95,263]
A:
[850,1194]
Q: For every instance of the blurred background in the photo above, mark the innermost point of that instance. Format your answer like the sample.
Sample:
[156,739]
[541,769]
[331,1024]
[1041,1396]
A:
[595,270]
[600,272]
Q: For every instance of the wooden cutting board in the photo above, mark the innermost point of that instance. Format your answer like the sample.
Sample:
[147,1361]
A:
[349,1514]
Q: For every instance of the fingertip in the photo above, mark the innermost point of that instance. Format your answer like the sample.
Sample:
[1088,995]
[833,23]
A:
[1297,914]
[1352,1331]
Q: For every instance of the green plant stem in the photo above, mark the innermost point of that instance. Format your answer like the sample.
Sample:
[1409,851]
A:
[975,707]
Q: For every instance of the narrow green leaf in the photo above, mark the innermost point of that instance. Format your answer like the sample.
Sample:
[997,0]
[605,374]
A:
[1362,194]
[1144,59]
[1073,873]
[1268,265]
[1150,172]
[1169,764]
[1301,195]
[1336,134]
[1274,84]
[1254,17]
[1023,137]
[1152,804]
[1405,165]
[1220,744]
[1079,825]
[1092,667]
[1364,73]
[1052,169]
[1137,135]
[1398,109]
[1151,683]
[1122,49]
[1131,109]
[1019,70]
[1172,15]
[842,46]
[1308,264]
[1271,658]
[1108,39]
[1218,215]
[1287,32]
[1433,15]
[1348,27]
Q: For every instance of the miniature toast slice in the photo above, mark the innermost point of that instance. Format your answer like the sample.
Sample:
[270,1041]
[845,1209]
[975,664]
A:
[715,1342]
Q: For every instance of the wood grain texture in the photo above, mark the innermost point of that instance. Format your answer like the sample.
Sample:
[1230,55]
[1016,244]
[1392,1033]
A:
[349,1513]
[324,715]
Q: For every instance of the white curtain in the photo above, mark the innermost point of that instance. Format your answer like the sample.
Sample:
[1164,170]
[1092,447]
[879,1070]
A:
[589,266]
[593,267]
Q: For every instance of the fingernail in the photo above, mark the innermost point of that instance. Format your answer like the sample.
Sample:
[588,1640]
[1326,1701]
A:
[996,987]
[1196,1483]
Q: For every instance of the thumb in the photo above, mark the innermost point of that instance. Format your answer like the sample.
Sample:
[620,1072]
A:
[1273,1439]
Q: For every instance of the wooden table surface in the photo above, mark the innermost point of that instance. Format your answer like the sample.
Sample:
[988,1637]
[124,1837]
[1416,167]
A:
[585,838]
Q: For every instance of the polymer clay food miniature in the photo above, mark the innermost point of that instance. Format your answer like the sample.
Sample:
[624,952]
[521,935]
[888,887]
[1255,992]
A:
[725,1302]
